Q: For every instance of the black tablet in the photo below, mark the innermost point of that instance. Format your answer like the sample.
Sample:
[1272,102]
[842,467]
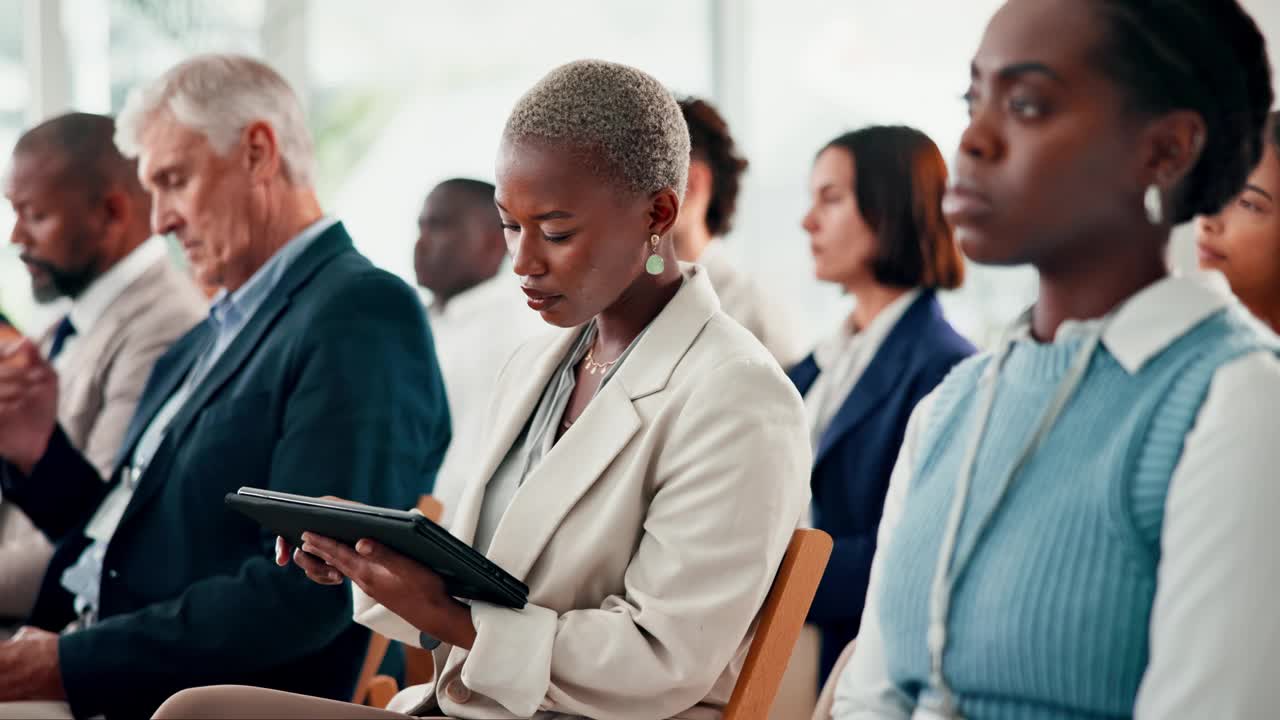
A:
[466,573]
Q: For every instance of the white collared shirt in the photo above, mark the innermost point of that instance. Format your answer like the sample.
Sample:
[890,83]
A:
[843,358]
[88,309]
[1214,628]
[475,334]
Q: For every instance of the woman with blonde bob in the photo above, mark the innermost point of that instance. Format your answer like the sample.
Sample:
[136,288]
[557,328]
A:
[649,459]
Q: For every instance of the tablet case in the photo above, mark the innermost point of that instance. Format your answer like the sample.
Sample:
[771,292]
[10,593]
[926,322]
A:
[466,573]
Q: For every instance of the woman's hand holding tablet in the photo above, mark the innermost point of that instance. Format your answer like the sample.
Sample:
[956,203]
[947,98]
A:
[400,584]
[402,560]
[318,571]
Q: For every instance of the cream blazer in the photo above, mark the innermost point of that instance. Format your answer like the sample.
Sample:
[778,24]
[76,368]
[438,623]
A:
[649,535]
[96,400]
[99,392]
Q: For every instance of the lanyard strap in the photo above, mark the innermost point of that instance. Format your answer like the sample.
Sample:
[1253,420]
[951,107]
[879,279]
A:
[949,565]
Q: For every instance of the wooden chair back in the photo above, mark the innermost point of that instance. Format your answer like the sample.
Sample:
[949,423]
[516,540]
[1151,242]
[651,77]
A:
[781,619]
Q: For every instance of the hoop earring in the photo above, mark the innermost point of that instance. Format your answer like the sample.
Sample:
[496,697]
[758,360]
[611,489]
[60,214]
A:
[655,264]
[1153,203]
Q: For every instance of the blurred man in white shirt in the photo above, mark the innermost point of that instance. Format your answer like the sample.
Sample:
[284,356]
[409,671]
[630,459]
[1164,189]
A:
[477,313]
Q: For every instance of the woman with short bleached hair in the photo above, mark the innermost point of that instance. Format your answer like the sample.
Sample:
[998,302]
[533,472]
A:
[649,459]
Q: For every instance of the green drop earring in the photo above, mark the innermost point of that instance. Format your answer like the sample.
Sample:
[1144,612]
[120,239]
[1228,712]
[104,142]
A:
[655,264]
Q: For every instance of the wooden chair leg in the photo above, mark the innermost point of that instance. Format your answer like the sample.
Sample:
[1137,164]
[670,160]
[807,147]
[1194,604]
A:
[381,689]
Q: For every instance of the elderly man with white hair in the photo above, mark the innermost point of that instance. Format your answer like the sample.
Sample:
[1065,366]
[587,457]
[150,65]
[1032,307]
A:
[314,374]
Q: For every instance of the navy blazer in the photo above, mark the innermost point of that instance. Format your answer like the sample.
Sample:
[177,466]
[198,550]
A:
[332,388]
[856,455]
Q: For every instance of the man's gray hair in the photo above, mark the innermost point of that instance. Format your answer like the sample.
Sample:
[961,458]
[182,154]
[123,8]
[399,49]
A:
[219,96]
[618,112]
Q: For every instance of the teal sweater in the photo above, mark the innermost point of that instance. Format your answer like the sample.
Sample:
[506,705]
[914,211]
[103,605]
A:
[1050,617]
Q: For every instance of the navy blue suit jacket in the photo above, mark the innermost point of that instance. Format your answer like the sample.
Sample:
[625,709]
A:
[857,453]
[332,388]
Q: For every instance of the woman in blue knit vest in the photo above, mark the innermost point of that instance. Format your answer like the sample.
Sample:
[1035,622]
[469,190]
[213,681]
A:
[1081,523]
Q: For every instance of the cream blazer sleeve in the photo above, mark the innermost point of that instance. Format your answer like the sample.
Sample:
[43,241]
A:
[731,489]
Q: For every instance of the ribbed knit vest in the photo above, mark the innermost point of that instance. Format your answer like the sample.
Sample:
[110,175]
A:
[1050,617]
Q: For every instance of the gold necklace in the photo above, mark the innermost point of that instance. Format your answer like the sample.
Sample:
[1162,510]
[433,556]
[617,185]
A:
[594,367]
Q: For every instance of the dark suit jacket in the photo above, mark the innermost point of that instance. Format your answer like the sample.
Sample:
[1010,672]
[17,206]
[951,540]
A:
[857,453]
[332,388]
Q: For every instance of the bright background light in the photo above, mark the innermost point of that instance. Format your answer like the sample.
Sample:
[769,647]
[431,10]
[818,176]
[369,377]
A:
[404,93]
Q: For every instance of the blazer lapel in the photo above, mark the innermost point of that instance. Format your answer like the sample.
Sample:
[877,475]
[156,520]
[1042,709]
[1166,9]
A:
[79,373]
[564,476]
[525,390]
[77,383]
[332,242]
[610,421]
[242,348]
[236,354]
[881,376]
[168,373]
